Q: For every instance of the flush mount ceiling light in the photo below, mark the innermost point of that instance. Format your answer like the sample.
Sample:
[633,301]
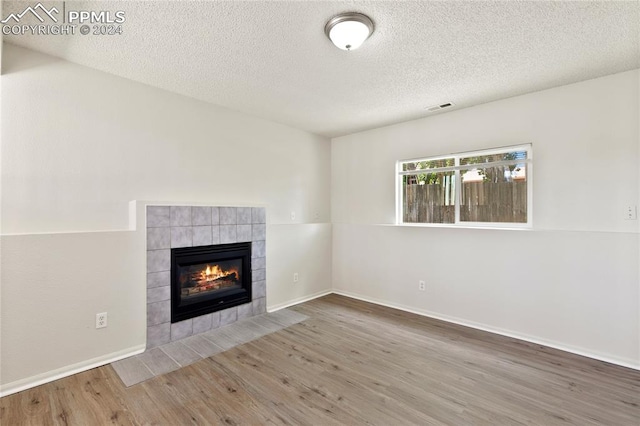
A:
[349,30]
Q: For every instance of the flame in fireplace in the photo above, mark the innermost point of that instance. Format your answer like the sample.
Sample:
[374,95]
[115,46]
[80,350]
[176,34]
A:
[212,273]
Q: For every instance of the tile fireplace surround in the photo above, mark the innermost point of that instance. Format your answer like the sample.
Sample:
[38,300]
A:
[191,226]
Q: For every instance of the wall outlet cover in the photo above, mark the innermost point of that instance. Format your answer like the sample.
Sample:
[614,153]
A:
[631,213]
[101,320]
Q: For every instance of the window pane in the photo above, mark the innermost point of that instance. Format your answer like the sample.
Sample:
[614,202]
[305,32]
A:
[429,198]
[429,164]
[494,194]
[504,156]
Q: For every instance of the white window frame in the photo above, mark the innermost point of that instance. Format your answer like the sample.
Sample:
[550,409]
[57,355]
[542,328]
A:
[457,179]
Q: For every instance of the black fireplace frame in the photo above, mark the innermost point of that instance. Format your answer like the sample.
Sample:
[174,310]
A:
[220,300]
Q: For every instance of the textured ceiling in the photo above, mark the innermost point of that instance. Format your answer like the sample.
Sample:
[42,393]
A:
[272,59]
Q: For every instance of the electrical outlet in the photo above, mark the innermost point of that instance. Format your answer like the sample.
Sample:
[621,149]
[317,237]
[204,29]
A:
[631,213]
[422,285]
[101,320]
[296,278]
[293,215]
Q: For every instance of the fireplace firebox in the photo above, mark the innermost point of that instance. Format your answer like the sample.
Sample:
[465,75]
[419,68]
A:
[206,279]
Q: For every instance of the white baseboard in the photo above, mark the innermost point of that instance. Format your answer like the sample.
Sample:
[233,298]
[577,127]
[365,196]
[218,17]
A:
[298,300]
[50,376]
[629,363]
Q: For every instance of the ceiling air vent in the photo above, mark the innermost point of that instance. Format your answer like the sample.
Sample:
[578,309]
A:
[439,107]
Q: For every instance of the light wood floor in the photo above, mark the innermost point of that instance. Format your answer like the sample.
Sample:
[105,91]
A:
[352,363]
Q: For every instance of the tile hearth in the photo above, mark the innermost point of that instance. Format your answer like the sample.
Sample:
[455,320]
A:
[172,356]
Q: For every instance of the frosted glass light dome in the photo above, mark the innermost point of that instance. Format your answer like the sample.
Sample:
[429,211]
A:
[349,30]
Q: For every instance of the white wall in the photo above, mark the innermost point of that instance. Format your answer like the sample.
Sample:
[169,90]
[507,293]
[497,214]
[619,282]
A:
[77,146]
[571,282]
[80,144]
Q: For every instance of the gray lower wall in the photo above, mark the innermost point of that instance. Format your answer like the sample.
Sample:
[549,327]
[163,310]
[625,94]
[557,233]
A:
[191,226]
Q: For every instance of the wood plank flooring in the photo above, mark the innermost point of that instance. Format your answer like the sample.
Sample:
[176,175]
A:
[351,363]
